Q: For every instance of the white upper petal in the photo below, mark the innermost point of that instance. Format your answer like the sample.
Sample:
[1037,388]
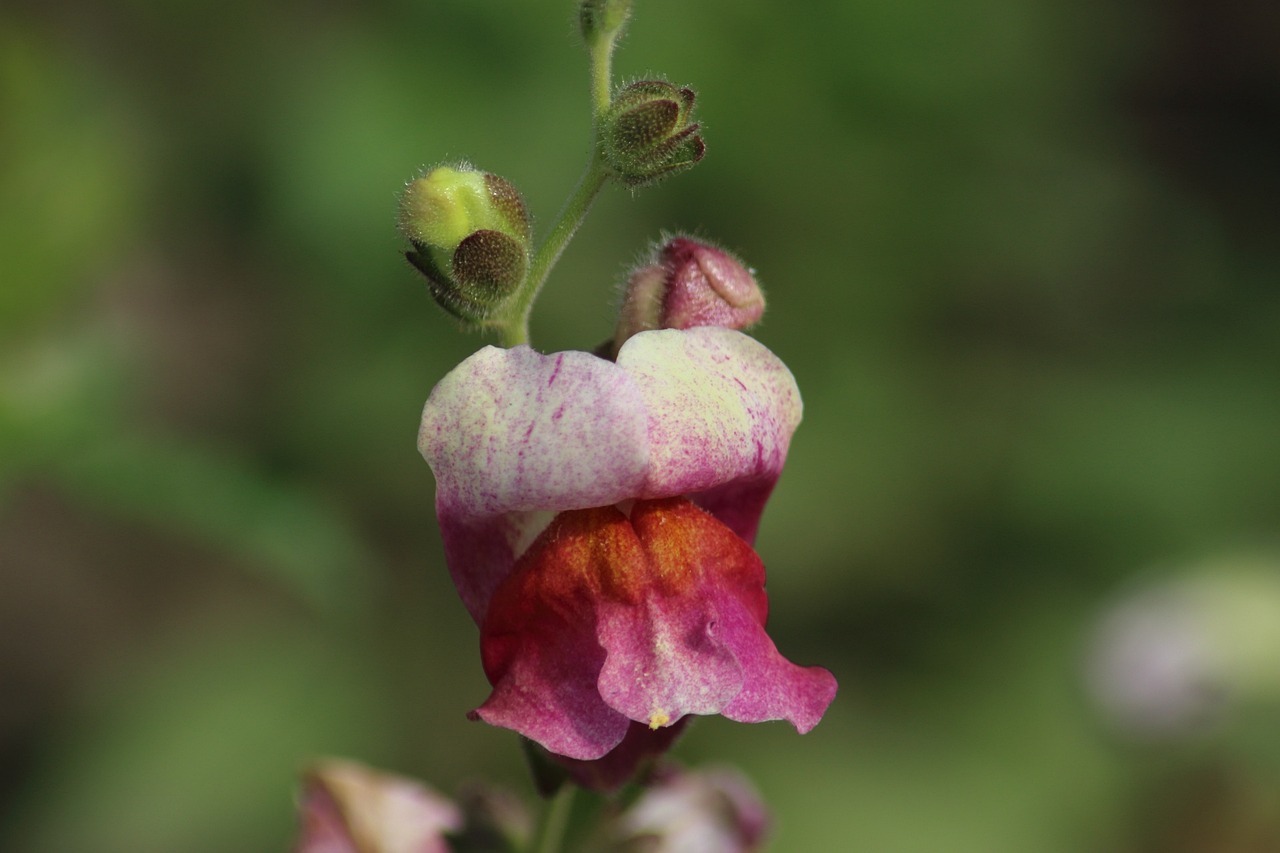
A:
[721,407]
[514,430]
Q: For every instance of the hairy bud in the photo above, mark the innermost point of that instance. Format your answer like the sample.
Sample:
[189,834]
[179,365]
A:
[471,238]
[687,283]
[647,134]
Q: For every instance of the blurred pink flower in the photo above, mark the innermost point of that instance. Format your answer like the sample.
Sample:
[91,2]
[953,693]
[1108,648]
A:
[349,808]
[701,811]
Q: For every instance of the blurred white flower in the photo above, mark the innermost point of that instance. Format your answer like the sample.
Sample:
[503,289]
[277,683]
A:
[1174,656]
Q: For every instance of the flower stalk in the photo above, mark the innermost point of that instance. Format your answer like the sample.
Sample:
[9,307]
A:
[490,278]
[549,836]
[513,328]
[602,23]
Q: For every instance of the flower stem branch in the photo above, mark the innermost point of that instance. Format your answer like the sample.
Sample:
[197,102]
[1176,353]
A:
[549,836]
[514,327]
[601,75]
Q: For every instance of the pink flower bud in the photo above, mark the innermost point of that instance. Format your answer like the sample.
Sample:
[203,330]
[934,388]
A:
[689,283]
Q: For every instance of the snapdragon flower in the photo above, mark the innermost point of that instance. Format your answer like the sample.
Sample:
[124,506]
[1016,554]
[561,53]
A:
[597,519]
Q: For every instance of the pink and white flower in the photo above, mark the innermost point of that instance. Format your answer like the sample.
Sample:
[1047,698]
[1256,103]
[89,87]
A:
[597,519]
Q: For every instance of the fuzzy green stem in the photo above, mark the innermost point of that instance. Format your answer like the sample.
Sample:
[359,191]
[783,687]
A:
[602,75]
[515,328]
[549,836]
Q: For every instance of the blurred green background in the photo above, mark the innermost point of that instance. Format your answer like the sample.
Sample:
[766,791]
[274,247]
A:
[1021,255]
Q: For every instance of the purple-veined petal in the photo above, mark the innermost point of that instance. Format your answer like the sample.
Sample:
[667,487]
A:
[721,410]
[512,432]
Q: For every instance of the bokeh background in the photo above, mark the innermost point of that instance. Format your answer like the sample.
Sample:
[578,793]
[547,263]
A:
[1022,256]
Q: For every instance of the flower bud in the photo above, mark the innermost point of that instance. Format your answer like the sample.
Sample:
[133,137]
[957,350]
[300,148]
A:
[443,206]
[647,134]
[689,283]
[347,807]
[471,237]
[602,19]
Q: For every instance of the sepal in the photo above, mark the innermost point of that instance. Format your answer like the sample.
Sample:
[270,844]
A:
[647,133]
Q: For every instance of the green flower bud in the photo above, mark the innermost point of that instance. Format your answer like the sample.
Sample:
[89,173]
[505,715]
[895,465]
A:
[471,238]
[647,134]
[603,18]
[443,206]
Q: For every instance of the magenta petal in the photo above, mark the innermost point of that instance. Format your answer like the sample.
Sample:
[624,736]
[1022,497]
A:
[609,619]
[539,638]
[611,771]
[664,662]
[704,648]
[706,653]
[549,695]
[773,688]
[704,568]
